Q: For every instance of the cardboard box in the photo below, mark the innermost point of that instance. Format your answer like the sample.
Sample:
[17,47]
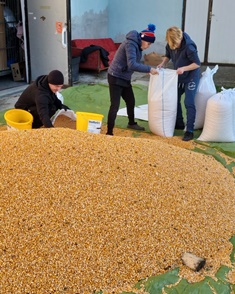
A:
[152,59]
[18,71]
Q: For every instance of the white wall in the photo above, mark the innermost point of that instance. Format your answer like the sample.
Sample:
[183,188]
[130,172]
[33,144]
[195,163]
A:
[126,15]
[197,27]
[115,18]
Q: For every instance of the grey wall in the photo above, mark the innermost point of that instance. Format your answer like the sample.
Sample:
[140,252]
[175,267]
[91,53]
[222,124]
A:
[89,18]
[114,18]
[126,15]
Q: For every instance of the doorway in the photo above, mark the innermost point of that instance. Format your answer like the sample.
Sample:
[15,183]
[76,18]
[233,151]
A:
[210,23]
[49,35]
[35,39]
[12,54]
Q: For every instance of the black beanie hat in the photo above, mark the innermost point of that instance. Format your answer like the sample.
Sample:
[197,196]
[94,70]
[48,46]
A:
[148,34]
[56,77]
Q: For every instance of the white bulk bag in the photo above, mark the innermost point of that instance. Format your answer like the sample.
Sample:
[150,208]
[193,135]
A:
[206,89]
[162,102]
[219,123]
[60,96]
[69,113]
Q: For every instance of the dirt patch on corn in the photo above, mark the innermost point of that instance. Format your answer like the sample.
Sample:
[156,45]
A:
[82,212]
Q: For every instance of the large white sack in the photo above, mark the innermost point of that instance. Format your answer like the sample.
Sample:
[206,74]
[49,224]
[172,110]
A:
[162,102]
[219,123]
[60,97]
[206,89]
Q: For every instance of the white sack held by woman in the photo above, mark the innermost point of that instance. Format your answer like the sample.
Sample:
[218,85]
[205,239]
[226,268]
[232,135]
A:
[206,89]
[162,102]
[219,123]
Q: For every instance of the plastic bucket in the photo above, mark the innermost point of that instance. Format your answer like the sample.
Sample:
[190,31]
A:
[18,119]
[89,122]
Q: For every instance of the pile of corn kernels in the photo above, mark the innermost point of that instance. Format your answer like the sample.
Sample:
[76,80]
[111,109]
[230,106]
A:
[83,212]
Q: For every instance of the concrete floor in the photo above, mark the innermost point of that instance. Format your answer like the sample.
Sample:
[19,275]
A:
[9,96]
[224,77]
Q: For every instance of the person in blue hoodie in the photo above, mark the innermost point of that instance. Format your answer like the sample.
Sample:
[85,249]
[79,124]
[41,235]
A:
[182,51]
[126,61]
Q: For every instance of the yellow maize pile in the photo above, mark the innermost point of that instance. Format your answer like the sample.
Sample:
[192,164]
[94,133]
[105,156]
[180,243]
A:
[83,212]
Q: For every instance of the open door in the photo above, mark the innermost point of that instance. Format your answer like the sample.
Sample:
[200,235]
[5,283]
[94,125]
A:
[210,23]
[221,42]
[196,26]
[48,37]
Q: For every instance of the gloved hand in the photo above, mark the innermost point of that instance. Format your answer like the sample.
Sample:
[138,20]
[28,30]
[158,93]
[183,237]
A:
[65,107]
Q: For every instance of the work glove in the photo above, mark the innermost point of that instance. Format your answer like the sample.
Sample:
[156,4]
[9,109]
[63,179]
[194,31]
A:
[65,107]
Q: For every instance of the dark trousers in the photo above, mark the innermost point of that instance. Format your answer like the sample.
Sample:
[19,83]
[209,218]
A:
[190,90]
[120,88]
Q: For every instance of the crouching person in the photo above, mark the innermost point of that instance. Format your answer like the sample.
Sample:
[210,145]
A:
[40,99]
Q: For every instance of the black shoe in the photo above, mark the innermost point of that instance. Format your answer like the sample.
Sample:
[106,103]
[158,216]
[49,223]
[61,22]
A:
[188,136]
[109,134]
[179,126]
[136,127]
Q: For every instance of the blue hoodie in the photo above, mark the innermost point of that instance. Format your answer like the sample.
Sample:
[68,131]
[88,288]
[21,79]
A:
[183,56]
[127,58]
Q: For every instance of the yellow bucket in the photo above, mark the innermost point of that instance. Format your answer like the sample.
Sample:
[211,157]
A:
[89,122]
[18,119]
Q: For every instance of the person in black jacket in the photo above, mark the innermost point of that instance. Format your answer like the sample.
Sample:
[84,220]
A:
[126,61]
[182,51]
[40,99]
